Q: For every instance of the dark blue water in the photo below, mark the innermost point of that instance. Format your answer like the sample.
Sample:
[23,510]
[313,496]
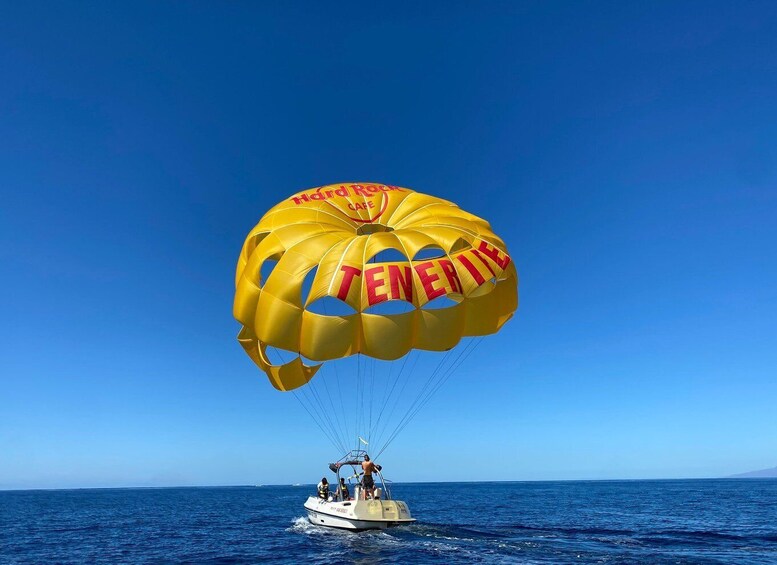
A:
[693,521]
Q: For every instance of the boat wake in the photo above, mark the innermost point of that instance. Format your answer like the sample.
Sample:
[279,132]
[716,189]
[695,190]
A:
[301,525]
[428,539]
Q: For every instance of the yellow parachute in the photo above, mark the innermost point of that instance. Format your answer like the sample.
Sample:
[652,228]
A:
[335,232]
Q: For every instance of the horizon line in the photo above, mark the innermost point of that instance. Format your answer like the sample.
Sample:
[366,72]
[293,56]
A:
[147,487]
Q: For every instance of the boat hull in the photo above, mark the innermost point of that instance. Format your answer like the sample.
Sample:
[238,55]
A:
[358,515]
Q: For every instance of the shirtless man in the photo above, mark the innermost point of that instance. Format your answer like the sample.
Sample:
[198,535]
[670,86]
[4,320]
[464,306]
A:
[369,468]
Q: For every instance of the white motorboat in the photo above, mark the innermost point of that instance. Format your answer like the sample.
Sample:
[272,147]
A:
[362,511]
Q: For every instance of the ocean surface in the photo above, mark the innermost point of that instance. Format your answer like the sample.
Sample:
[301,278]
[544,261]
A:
[688,521]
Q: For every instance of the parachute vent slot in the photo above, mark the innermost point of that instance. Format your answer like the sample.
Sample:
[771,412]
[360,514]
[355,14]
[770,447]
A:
[307,284]
[460,244]
[388,255]
[440,303]
[389,307]
[267,269]
[429,252]
[330,306]
[254,243]
[367,229]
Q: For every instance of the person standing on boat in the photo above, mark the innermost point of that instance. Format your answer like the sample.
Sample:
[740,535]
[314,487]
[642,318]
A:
[323,489]
[369,468]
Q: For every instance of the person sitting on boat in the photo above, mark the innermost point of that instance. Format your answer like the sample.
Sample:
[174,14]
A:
[323,489]
[344,493]
[369,468]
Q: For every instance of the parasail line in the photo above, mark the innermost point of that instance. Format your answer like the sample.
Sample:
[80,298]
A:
[314,392]
[386,397]
[425,387]
[342,412]
[315,410]
[450,372]
[314,420]
[408,376]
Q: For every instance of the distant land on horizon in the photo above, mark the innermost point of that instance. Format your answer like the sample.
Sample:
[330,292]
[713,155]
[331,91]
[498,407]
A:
[762,474]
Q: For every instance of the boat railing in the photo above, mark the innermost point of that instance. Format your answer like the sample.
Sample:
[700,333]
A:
[355,458]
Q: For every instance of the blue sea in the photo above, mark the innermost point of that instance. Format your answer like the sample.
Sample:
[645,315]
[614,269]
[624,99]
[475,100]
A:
[687,521]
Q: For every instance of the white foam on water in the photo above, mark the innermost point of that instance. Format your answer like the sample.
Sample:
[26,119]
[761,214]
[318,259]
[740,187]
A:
[301,525]
[438,532]
[439,546]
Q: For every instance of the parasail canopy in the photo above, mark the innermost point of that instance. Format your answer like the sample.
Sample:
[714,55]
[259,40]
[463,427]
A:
[326,243]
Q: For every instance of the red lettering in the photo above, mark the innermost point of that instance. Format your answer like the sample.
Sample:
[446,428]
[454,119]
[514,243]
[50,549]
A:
[355,206]
[493,253]
[464,260]
[300,199]
[396,280]
[370,189]
[482,260]
[373,284]
[428,280]
[450,273]
[345,286]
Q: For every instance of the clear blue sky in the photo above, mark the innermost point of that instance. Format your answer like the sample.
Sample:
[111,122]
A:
[627,153]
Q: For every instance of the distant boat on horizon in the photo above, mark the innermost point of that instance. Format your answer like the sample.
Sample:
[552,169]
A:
[770,473]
